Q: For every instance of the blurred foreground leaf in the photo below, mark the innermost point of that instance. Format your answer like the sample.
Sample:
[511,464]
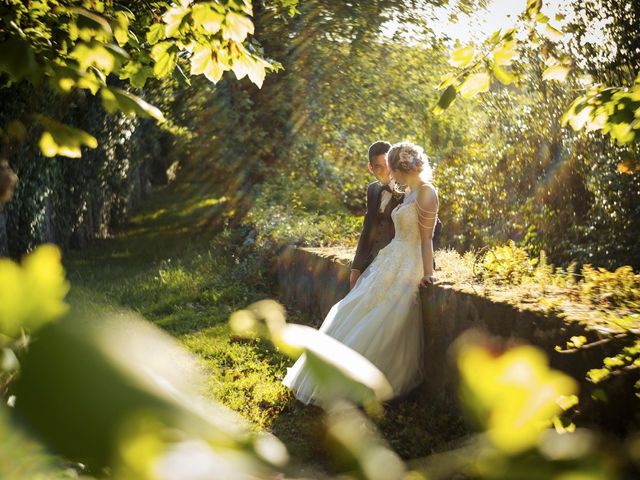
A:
[32,294]
[122,394]
[514,395]
[59,139]
[339,371]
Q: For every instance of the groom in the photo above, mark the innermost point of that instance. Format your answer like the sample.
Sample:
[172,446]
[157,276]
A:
[378,230]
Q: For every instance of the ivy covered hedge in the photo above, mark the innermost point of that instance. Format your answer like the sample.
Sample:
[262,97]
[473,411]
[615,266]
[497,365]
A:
[69,201]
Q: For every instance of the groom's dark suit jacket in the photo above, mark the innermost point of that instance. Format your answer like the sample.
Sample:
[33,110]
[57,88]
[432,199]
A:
[378,230]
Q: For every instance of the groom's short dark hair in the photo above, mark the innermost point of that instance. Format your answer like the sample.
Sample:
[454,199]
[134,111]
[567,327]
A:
[378,148]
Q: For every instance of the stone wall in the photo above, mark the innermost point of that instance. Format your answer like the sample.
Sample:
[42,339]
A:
[313,280]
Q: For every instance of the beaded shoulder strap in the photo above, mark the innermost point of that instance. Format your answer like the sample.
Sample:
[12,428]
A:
[426,216]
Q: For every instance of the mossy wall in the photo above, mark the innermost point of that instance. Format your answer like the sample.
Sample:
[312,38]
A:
[313,280]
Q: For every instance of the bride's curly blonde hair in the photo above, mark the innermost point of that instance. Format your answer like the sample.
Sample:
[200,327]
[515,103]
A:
[408,157]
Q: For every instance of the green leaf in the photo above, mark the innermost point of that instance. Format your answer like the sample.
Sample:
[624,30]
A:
[17,58]
[495,37]
[599,394]
[567,401]
[173,19]
[542,18]
[504,53]
[503,75]
[87,360]
[92,81]
[353,434]
[91,26]
[8,360]
[136,73]
[164,55]
[114,99]
[578,114]
[94,54]
[614,362]
[237,27]
[514,395]
[180,77]
[155,33]
[254,68]
[119,53]
[41,271]
[63,77]
[342,372]
[563,425]
[121,28]
[447,97]
[596,375]
[622,133]
[206,61]
[533,8]
[557,72]
[448,79]
[578,341]
[553,34]
[205,16]
[474,84]
[11,294]
[461,57]
[59,139]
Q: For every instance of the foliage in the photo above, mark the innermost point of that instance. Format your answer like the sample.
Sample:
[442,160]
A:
[23,314]
[626,360]
[70,201]
[527,179]
[515,396]
[507,264]
[612,110]
[20,310]
[66,46]
[614,293]
[312,216]
[608,290]
[620,288]
[524,178]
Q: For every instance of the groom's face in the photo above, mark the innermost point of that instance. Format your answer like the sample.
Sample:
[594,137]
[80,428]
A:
[379,168]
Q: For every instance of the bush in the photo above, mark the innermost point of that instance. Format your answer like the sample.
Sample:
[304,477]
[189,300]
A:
[507,264]
[308,216]
[620,288]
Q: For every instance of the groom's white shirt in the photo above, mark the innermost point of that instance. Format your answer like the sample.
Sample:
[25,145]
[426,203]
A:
[386,196]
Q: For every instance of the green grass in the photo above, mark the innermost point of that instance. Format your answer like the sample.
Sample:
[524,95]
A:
[176,265]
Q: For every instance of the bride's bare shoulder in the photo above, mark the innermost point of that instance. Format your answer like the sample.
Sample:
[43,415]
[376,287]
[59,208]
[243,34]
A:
[427,193]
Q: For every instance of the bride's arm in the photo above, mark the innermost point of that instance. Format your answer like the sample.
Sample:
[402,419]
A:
[427,203]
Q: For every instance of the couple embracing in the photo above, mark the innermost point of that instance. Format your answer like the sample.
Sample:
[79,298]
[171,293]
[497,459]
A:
[380,317]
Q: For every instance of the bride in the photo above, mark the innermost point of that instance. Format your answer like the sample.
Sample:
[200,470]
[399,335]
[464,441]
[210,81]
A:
[380,318]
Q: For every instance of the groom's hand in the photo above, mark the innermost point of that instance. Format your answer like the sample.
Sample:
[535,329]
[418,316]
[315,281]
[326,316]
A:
[353,278]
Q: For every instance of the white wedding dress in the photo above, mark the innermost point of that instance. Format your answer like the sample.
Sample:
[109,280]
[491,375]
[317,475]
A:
[381,317]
